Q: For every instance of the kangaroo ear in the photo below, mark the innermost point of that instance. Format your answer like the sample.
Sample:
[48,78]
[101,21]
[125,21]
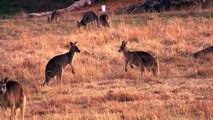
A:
[124,42]
[75,42]
[71,44]
[5,80]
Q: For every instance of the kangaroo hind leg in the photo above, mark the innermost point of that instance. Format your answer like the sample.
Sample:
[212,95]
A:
[143,71]
[59,74]
[13,111]
[23,107]
[155,70]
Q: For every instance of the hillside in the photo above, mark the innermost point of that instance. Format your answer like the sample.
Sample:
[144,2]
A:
[100,88]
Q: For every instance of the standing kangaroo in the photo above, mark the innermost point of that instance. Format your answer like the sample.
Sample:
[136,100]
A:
[88,17]
[104,20]
[56,65]
[140,59]
[54,16]
[12,95]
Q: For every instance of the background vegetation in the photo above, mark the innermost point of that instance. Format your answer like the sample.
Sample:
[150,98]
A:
[9,8]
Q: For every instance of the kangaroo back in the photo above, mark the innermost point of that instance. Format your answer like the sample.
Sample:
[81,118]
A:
[203,52]
[148,61]
[54,16]
[88,17]
[105,20]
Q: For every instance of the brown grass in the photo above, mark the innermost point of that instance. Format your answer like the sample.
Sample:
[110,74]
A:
[101,89]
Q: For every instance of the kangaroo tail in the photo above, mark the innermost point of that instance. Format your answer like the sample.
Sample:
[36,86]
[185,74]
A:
[97,20]
[158,67]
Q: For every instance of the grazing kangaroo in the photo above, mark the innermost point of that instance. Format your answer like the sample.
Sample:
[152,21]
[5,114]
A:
[203,3]
[104,20]
[56,65]
[203,52]
[54,16]
[140,59]
[12,95]
[88,17]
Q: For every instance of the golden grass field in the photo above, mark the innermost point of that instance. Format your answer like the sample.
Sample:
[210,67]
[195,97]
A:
[101,89]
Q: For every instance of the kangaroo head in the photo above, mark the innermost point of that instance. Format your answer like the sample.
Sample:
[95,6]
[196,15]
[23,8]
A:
[122,47]
[54,12]
[73,47]
[48,19]
[3,87]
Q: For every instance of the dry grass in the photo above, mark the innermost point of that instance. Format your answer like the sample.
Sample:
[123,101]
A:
[101,89]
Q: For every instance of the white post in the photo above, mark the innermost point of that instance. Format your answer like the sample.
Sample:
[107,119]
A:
[103,8]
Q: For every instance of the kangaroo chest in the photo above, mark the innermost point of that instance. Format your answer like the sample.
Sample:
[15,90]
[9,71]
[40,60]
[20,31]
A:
[71,58]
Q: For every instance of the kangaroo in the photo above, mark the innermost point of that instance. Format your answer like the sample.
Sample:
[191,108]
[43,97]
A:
[141,59]
[56,65]
[165,4]
[12,95]
[104,20]
[203,52]
[54,16]
[204,3]
[88,17]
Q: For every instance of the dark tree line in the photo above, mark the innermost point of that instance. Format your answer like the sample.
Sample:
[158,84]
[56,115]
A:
[11,7]
[163,5]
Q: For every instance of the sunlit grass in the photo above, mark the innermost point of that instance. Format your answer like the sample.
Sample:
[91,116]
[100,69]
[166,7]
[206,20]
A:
[101,89]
